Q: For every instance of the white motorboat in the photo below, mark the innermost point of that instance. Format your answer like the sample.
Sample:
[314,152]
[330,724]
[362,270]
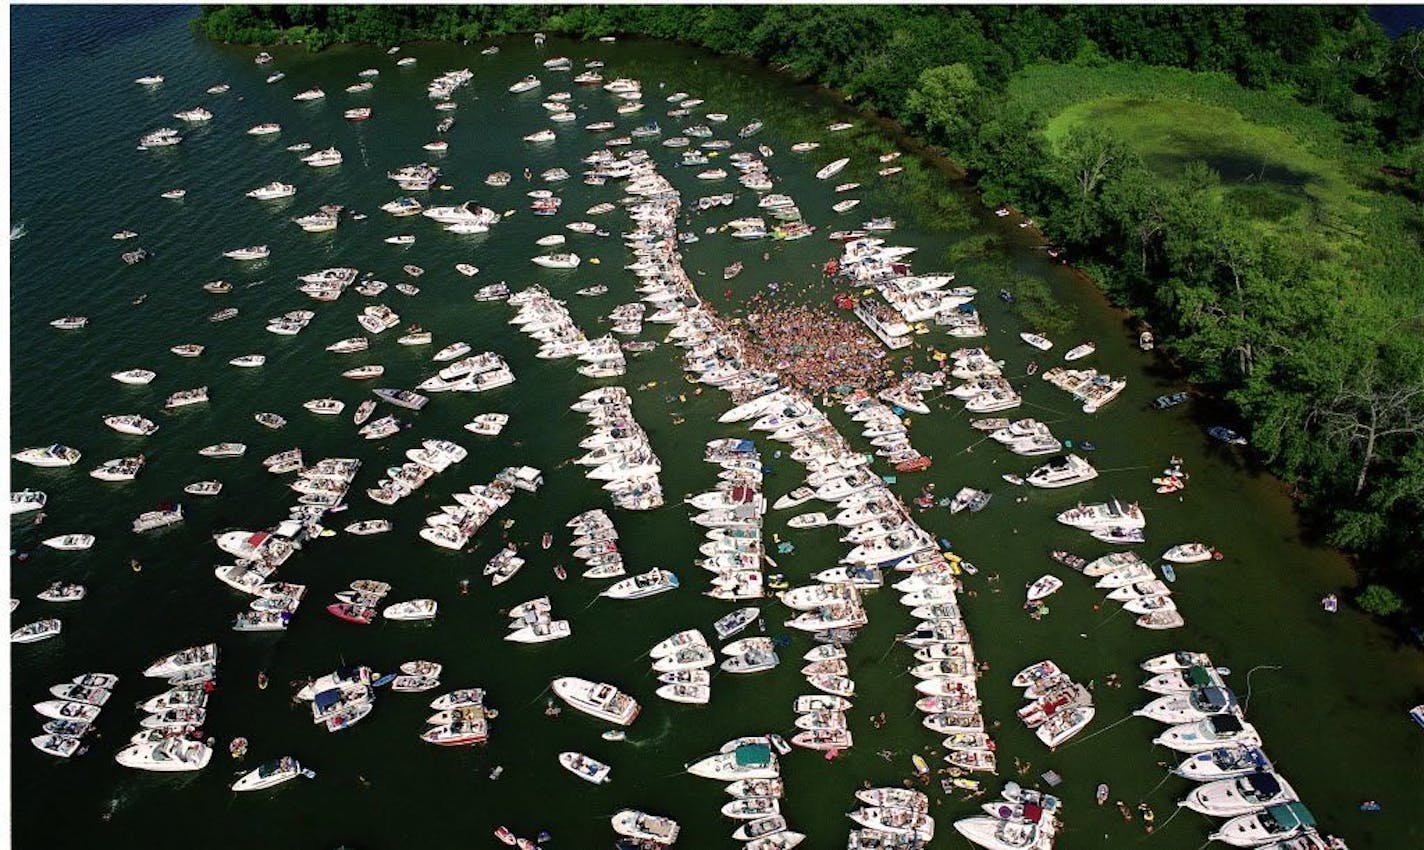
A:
[248,361]
[254,252]
[635,824]
[748,761]
[1080,351]
[1203,735]
[135,376]
[69,542]
[1001,834]
[585,768]
[1239,795]
[272,191]
[220,450]
[1039,342]
[557,261]
[166,756]
[1225,762]
[1276,824]
[37,631]
[192,658]
[48,456]
[415,609]
[1190,553]
[1063,471]
[268,775]
[540,632]
[832,169]
[25,501]
[651,583]
[597,699]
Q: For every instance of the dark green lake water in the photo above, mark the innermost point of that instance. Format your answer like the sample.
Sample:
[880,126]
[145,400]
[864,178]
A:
[1330,697]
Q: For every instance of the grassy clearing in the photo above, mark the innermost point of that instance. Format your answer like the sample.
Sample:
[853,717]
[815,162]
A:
[1280,182]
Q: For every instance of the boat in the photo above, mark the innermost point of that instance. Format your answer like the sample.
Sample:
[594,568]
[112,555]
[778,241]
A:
[640,586]
[1043,587]
[69,542]
[1226,435]
[1062,471]
[156,519]
[1190,553]
[585,768]
[138,377]
[416,609]
[1225,798]
[748,761]
[1080,351]
[1209,734]
[38,631]
[131,424]
[597,699]
[168,755]
[557,261]
[640,825]
[1275,824]
[185,660]
[268,775]
[49,456]
[832,169]
[24,501]
[221,450]
[731,624]
[61,746]
[254,252]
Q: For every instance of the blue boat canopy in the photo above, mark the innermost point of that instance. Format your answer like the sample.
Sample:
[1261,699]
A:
[1264,785]
[753,755]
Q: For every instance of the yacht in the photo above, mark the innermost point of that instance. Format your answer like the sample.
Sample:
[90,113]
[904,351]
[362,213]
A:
[273,191]
[220,450]
[1276,824]
[1239,795]
[600,700]
[161,138]
[197,115]
[150,80]
[527,84]
[323,158]
[268,128]
[1063,471]
[309,94]
[254,252]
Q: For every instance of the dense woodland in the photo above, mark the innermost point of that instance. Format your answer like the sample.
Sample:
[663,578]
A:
[1304,308]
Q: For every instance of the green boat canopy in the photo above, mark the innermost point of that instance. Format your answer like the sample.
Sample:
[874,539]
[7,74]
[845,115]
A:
[752,755]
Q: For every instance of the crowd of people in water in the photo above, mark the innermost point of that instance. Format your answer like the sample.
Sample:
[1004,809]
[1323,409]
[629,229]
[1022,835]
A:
[814,347]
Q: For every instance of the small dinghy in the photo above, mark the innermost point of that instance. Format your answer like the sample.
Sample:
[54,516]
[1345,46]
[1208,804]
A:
[585,768]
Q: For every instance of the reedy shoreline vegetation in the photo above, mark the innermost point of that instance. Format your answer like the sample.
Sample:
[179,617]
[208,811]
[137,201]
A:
[1292,285]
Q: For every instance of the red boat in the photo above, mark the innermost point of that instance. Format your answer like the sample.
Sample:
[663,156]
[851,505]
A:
[916,465]
[503,834]
[360,614]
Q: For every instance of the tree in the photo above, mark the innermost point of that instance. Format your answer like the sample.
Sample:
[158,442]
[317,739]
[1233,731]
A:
[1379,600]
[946,101]
[1378,403]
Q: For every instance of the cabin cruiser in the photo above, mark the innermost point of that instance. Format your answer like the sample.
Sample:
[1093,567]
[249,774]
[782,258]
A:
[1239,795]
[1063,471]
[50,456]
[640,825]
[600,700]
[323,158]
[273,191]
[167,755]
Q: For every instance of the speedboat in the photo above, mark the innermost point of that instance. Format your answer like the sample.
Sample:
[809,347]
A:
[651,583]
[49,456]
[69,542]
[584,767]
[24,501]
[166,756]
[273,191]
[832,169]
[38,631]
[1228,762]
[640,825]
[416,609]
[137,377]
[268,775]
[1063,471]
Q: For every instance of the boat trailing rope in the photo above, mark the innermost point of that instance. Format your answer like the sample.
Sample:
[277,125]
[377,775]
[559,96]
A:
[1114,725]
[1246,703]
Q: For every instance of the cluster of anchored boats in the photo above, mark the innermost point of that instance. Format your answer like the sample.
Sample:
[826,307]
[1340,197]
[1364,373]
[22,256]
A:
[1237,780]
[169,738]
[619,454]
[753,775]
[1058,707]
[732,514]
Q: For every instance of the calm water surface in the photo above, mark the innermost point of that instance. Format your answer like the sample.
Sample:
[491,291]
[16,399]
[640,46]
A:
[1328,693]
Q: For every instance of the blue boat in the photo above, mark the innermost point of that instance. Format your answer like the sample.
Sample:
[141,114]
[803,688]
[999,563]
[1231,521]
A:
[1168,572]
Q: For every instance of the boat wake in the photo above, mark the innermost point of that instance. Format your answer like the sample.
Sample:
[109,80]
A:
[662,733]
